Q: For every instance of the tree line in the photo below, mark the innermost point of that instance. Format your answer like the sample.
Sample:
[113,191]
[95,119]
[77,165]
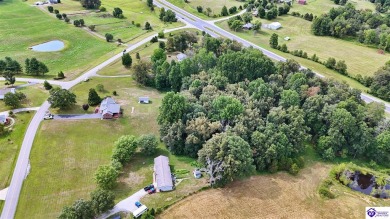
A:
[9,68]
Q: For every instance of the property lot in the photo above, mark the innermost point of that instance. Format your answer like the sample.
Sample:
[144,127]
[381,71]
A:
[318,7]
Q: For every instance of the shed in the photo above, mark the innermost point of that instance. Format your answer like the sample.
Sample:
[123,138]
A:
[143,99]
[181,56]
[197,174]
[274,26]
[3,119]
[5,91]
[162,174]
[302,2]
[247,26]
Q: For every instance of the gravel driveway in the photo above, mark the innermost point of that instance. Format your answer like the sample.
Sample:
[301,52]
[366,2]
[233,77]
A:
[77,116]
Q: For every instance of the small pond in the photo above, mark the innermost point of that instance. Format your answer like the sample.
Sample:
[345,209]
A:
[51,46]
[365,183]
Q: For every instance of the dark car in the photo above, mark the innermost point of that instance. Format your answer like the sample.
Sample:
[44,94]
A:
[148,187]
[151,191]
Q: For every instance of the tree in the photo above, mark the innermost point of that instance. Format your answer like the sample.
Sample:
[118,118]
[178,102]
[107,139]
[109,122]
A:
[148,144]
[330,63]
[226,157]
[56,11]
[137,56]
[141,72]
[256,26]
[9,77]
[76,23]
[93,97]
[61,98]
[380,85]
[59,16]
[273,41]
[105,176]
[109,37]
[118,13]
[341,67]
[47,85]
[247,17]
[90,4]
[124,148]
[60,75]
[199,9]
[126,60]
[64,15]
[102,201]
[289,98]
[148,26]
[35,67]
[158,55]
[82,22]
[172,108]
[80,209]
[13,99]
[226,108]
[149,3]
[67,20]
[50,9]
[224,11]
[161,45]
[92,27]
[236,25]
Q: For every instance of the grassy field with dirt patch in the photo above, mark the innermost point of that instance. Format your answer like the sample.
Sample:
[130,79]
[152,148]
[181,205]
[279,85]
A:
[32,26]
[318,7]
[9,148]
[35,96]
[278,195]
[72,151]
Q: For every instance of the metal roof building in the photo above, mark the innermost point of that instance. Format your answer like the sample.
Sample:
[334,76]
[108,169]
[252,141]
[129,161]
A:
[162,174]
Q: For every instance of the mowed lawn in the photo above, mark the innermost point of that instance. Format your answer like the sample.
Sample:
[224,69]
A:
[35,96]
[318,7]
[23,26]
[215,6]
[359,59]
[9,149]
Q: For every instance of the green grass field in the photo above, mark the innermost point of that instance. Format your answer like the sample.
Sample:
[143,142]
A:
[35,96]
[357,57]
[31,26]
[9,148]
[318,7]
[72,150]
[215,6]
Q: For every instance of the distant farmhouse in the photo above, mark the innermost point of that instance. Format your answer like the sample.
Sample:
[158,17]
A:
[6,90]
[109,108]
[162,176]
[181,56]
[247,26]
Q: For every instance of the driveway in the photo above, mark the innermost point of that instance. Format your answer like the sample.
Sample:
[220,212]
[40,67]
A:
[127,204]
[78,116]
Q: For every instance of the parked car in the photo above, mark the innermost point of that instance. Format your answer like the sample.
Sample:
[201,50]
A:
[148,187]
[138,204]
[48,116]
[151,191]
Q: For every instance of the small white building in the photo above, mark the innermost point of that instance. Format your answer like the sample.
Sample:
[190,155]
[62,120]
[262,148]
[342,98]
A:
[181,56]
[3,119]
[143,99]
[5,91]
[274,26]
[162,176]
[247,26]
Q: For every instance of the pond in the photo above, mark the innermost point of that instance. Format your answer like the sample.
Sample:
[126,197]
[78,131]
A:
[51,46]
[366,184]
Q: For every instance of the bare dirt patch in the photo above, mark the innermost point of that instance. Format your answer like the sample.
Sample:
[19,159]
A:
[270,196]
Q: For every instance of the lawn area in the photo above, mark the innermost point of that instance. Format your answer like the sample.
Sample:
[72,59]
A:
[318,7]
[35,96]
[31,26]
[357,57]
[74,149]
[215,6]
[9,149]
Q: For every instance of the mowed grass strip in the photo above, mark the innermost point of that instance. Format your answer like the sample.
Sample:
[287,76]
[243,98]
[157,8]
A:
[24,26]
[359,58]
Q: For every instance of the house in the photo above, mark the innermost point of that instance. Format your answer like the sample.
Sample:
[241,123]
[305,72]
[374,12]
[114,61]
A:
[247,26]
[274,26]
[6,90]
[53,1]
[162,176]
[255,13]
[181,56]
[109,108]
[3,119]
[143,99]
[302,2]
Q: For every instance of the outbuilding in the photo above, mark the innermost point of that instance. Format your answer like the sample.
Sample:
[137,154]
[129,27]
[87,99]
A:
[3,119]
[143,99]
[181,56]
[162,176]
[5,91]
[274,26]
[247,26]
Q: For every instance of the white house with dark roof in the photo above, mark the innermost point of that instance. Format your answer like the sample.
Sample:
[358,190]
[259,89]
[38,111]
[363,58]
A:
[5,91]
[162,176]
[109,108]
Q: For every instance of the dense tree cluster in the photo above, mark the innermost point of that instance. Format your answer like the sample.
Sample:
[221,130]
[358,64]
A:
[14,99]
[35,67]
[167,16]
[380,85]
[90,4]
[269,10]
[368,27]
[243,112]
[9,68]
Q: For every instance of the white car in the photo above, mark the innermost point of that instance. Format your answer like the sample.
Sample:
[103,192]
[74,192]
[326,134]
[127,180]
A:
[48,116]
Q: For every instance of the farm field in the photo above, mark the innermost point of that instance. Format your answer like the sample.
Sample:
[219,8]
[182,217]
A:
[9,149]
[74,149]
[32,26]
[215,6]
[35,96]
[318,7]
[278,195]
[357,57]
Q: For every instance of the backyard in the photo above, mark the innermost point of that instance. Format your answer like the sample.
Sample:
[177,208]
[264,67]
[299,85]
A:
[35,96]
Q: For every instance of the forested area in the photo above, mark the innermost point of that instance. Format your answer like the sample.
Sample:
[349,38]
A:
[237,112]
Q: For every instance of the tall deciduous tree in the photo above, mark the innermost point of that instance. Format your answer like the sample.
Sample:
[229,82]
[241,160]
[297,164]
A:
[102,201]
[273,41]
[172,108]
[61,98]
[105,176]
[127,60]
[124,148]
[148,144]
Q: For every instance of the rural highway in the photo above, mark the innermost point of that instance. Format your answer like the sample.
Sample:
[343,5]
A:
[215,31]
[191,21]
[20,170]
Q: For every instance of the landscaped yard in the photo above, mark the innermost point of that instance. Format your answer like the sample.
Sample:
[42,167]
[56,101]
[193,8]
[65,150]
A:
[9,149]
[72,150]
[357,57]
[35,96]
[31,26]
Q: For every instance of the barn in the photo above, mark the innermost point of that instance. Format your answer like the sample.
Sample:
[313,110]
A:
[162,176]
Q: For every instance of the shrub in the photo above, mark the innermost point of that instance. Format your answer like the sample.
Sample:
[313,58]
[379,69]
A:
[66,20]
[161,35]
[294,169]
[50,9]
[138,25]
[56,11]
[114,93]
[92,27]
[60,75]
[85,107]
[47,85]
[100,87]
[148,144]
[102,9]
[109,37]
[325,192]
[105,176]
[59,16]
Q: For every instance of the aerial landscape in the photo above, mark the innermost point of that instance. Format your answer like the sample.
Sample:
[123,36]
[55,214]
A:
[194,109]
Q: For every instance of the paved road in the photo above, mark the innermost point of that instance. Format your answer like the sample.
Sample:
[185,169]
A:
[216,31]
[127,204]
[21,167]
[77,116]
